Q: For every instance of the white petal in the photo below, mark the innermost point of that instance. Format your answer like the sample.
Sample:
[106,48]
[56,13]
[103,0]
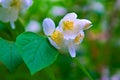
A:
[73,33]
[12,25]
[48,26]
[71,49]
[33,26]
[26,4]
[83,23]
[70,16]
[6,3]
[58,28]
[82,34]
[8,14]
[53,43]
[69,35]
[58,11]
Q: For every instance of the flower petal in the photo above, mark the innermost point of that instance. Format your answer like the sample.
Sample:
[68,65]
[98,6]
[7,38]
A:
[69,34]
[26,4]
[82,34]
[6,3]
[82,24]
[70,16]
[79,38]
[33,26]
[71,49]
[85,24]
[48,26]
[8,14]
[12,25]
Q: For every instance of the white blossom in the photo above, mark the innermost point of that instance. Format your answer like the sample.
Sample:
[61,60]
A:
[54,35]
[33,26]
[49,26]
[69,33]
[58,11]
[97,7]
[10,9]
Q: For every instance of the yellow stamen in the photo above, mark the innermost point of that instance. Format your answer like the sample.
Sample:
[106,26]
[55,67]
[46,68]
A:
[77,39]
[68,25]
[16,3]
[57,37]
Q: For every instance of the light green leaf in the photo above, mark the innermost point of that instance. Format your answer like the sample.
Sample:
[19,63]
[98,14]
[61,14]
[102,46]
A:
[36,51]
[9,54]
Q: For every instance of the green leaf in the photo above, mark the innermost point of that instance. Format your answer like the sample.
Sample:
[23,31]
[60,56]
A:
[36,51]
[9,54]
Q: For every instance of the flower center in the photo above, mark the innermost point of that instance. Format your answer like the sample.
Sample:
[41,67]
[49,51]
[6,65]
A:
[68,25]
[16,3]
[77,39]
[57,37]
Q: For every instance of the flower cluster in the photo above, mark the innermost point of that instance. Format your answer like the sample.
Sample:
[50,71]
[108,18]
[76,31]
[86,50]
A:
[69,33]
[10,9]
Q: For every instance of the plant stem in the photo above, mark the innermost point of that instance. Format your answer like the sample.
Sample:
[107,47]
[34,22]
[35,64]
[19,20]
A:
[83,68]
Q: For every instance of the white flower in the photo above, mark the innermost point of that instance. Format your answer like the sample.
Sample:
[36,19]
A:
[54,35]
[116,76]
[97,7]
[69,33]
[71,26]
[33,26]
[58,11]
[10,9]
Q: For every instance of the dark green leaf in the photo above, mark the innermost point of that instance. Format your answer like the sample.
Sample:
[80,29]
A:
[37,53]
[9,54]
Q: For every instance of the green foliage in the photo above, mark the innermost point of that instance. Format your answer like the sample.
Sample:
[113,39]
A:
[36,52]
[99,50]
[9,54]
[8,33]
[83,68]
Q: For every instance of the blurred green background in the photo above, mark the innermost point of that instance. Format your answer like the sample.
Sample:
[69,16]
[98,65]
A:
[99,52]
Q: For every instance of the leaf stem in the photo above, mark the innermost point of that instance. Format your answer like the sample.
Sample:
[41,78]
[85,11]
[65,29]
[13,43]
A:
[83,68]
